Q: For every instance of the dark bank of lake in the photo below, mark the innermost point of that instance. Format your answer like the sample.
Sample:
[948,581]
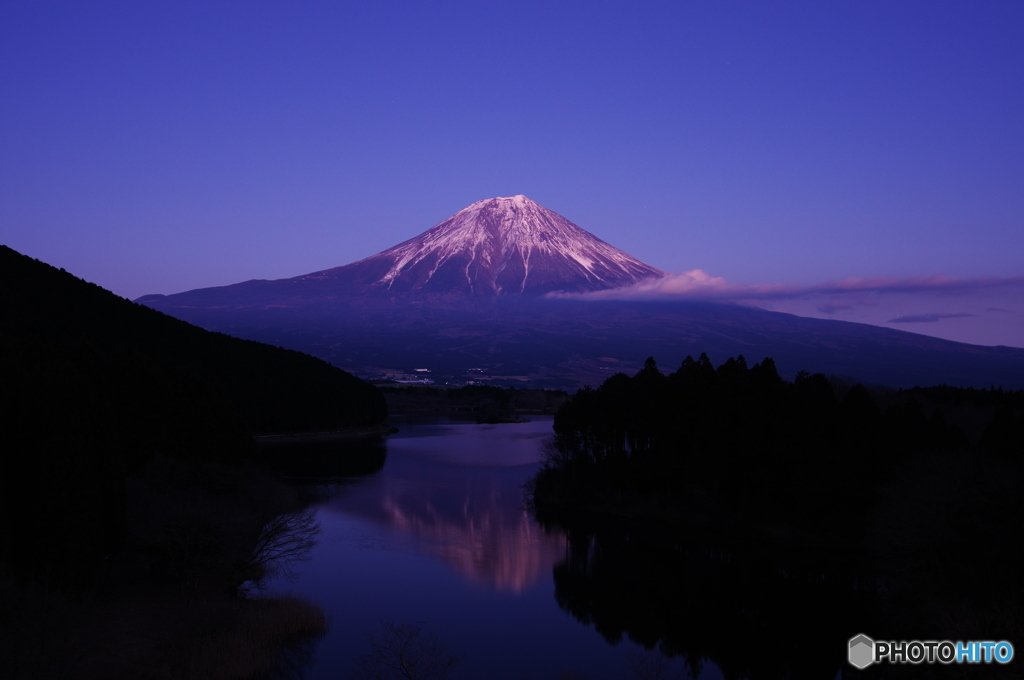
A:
[439,536]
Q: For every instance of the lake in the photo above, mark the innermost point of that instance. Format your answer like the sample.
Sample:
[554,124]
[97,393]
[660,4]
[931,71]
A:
[439,536]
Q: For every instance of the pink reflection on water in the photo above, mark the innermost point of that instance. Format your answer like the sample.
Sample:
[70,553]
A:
[456,495]
[506,551]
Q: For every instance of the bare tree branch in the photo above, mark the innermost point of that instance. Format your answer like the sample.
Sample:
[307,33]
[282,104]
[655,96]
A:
[285,539]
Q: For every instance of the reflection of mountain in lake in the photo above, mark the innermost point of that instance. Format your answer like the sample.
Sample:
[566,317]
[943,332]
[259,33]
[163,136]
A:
[485,540]
[469,516]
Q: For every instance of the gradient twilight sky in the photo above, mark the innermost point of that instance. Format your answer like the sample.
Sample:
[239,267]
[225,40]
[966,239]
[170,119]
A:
[157,147]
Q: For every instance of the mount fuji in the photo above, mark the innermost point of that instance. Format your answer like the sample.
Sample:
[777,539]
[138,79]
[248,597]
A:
[492,248]
[469,298]
[497,246]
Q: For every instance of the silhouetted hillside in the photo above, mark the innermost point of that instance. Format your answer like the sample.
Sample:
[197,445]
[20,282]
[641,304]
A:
[94,387]
[120,475]
[272,389]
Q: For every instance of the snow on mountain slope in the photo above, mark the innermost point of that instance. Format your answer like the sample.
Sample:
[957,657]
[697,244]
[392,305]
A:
[497,246]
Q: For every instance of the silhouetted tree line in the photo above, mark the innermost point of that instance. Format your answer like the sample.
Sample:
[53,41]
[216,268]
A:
[904,507]
[739,444]
[481,401]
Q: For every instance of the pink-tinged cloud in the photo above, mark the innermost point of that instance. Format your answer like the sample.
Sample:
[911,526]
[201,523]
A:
[986,311]
[697,284]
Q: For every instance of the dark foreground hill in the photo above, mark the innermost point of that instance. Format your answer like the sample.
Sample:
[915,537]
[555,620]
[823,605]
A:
[271,389]
[94,387]
[128,516]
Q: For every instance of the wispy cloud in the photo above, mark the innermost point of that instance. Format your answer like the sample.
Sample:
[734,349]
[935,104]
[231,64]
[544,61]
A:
[928,318]
[986,311]
[833,306]
[697,284]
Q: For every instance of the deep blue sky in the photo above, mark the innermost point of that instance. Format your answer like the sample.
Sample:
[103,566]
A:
[157,147]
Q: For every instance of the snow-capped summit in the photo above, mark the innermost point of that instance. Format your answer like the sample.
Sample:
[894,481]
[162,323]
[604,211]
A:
[497,246]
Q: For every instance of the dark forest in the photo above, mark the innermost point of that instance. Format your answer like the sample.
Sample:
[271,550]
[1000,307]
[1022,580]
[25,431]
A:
[901,508]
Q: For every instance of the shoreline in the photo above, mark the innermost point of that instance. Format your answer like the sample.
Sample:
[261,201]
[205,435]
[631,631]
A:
[329,435]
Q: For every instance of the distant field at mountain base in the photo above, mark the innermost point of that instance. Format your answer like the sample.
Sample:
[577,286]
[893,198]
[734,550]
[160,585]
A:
[570,343]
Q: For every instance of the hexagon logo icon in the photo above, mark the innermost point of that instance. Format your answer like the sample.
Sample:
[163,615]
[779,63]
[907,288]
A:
[862,651]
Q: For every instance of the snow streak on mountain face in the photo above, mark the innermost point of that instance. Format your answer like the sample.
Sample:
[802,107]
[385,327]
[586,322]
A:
[498,246]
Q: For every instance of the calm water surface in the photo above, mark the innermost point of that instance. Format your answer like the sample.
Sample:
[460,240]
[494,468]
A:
[439,536]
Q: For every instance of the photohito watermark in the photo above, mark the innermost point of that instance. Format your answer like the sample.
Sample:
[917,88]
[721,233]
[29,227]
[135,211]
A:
[863,651]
